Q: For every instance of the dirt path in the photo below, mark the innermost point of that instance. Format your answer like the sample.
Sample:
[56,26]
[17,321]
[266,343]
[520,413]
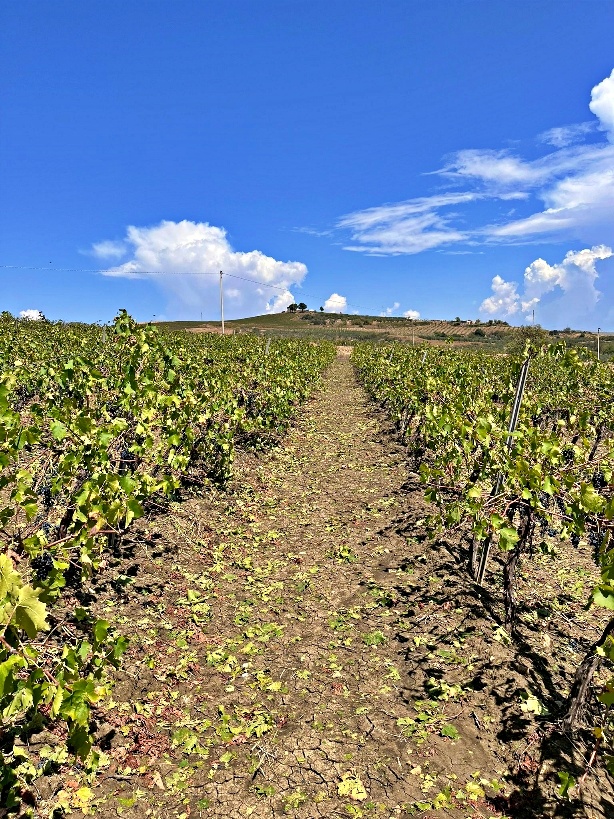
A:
[293,651]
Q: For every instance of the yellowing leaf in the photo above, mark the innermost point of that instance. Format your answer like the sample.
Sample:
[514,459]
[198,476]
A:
[30,614]
[352,786]
[8,576]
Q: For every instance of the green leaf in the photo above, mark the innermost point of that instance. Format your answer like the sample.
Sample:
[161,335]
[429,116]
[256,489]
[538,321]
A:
[59,430]
[30,614]
[604,597]
[567,781]
[9,578]
[508,537]
[6,670]
[101,629]
[590,499]
[450,731]
[135,510]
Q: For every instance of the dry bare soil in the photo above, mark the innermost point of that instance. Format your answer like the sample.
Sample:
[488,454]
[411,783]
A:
[300,647]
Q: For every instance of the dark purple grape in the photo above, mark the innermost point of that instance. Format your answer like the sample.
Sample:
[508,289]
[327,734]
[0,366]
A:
[568,455]
[598,480]
[44,493]
[561,504]
[575,540]
[595,539]
[42,565]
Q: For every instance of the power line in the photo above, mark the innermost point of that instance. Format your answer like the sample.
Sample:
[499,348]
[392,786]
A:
[170,273]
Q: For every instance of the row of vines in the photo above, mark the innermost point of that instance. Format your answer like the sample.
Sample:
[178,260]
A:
[97,426]
[514,493]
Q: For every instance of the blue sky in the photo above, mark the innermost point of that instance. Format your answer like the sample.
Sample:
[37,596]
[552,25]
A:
[442,158]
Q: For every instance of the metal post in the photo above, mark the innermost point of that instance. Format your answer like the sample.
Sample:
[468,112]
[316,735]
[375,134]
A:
[222,300]
[598,350]
[522,380]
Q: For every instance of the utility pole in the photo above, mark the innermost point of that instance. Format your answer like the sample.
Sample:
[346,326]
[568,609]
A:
[222,300]
[533,317]
[598,350]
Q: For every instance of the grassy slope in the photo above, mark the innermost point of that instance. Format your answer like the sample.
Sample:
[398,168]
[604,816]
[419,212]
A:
[348,329]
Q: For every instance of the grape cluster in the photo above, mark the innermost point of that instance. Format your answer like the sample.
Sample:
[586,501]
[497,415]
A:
[545,499]
[568,455]
[561,504]
[575,540]
[44,493]
[595,539]
[73,576]
[598,480]
[42,565]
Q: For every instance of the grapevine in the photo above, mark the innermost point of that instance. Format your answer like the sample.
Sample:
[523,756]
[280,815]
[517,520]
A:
[554,481]
[95,426]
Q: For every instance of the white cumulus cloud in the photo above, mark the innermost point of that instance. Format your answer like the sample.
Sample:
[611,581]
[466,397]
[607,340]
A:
[602,104]
[390,310]
[504,300]
[184,258]
[335,303]
[412,314]
[572,283]
[31,315]
[280,302]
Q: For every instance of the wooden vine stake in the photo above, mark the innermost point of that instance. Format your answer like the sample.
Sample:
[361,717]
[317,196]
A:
[522,380]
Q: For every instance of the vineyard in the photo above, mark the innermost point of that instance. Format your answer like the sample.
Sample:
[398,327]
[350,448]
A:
[97,426]
[521,488]
[234,584]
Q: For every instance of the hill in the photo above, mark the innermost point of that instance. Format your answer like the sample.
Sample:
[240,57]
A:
[349,329]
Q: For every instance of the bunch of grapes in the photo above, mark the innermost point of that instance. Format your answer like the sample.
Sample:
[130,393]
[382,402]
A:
[568,455]
[598,480]
[561,504]
[595,539]
[42,565]
[44,493]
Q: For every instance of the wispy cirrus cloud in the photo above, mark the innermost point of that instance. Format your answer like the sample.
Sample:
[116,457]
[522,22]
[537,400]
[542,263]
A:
[568,192]
[565,135]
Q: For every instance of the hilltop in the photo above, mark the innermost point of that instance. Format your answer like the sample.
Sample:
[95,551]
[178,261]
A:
[343,328]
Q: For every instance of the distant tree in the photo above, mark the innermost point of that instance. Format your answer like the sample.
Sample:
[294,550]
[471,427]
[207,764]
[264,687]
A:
[292,308]
[532,335]
[321,309]
[457,320]
[302,306]
[479,332]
